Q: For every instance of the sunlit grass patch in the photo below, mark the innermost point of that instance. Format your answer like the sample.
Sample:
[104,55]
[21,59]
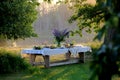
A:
[66,72]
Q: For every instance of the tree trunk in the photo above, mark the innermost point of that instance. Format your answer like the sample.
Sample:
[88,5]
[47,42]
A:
[104,77]
[109,37]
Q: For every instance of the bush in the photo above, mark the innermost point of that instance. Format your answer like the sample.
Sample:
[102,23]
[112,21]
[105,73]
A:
[11,62]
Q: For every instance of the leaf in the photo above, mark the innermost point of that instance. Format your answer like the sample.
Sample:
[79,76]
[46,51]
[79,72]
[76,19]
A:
[100,33]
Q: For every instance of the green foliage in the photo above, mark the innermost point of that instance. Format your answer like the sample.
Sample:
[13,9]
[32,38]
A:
[37,47]
[17,17]
[107,57]
[88,17]
[10,62]
[105,60]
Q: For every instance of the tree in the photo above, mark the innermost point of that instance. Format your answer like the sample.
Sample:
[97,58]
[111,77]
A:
[106,61]
[88,16]
[16,18]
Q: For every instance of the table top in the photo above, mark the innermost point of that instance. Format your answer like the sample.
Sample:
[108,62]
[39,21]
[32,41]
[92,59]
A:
[48,51]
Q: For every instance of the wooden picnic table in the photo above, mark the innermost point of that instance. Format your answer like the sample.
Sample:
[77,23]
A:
[47,52]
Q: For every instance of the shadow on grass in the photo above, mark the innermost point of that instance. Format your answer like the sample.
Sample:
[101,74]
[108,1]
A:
[66,72]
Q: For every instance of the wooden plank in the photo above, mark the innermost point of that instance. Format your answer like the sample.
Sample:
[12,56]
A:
[32,59]
[82,57]
[70,61]
[47,61]
[68,55]
[38,63]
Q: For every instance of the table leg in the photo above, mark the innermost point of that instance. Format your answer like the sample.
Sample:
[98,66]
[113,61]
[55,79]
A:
[82,57]
[47,61]
[32,59]
[67,55]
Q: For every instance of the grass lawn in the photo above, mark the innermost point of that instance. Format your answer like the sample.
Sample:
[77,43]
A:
[79,71]
[67,72]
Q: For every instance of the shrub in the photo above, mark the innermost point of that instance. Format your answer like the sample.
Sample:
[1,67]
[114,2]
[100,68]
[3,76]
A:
[11,62]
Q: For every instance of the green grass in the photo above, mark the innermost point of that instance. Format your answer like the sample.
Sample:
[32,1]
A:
[79,71]
[66,72]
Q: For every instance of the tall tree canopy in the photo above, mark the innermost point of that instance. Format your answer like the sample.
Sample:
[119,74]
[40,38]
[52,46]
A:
[17,17]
